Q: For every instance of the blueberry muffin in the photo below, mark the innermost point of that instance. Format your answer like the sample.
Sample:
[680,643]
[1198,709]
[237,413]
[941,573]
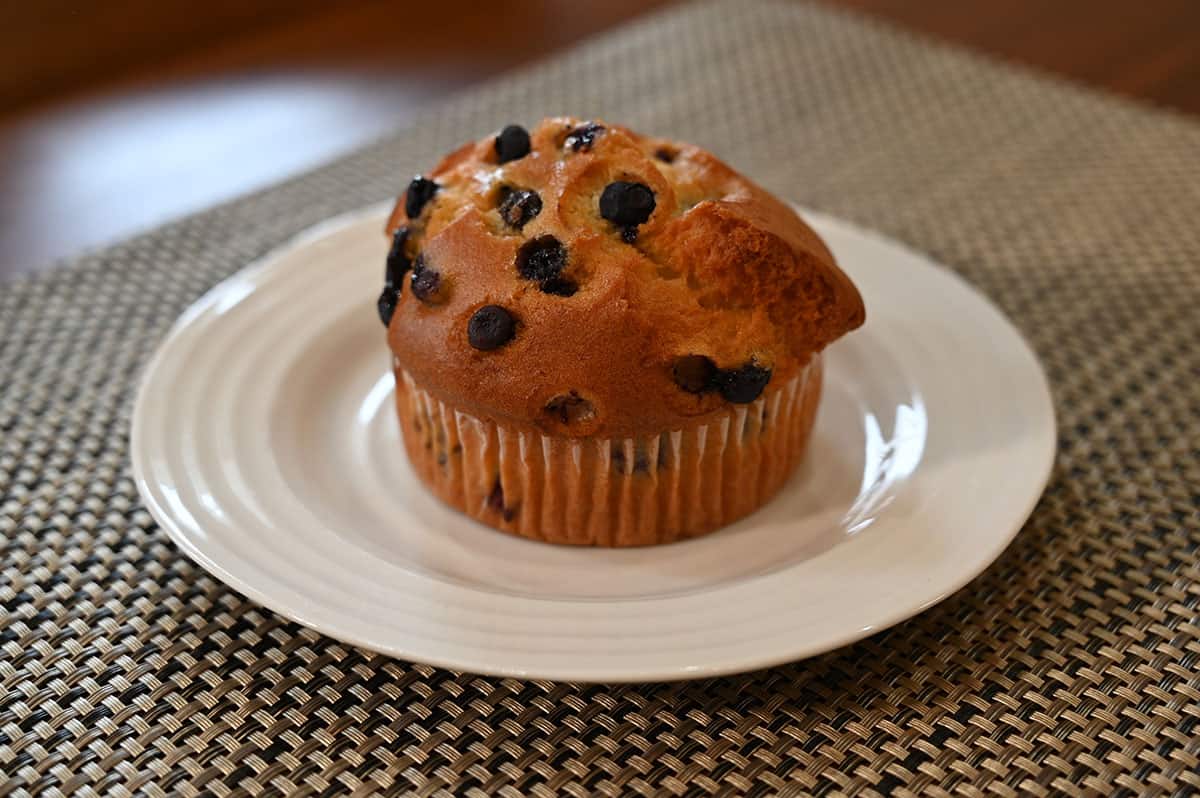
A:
[604,338]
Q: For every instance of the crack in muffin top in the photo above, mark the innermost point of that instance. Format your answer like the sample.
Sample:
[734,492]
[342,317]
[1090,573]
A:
[641,277]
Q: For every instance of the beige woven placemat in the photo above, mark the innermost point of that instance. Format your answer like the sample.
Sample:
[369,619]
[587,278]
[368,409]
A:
[1072,666]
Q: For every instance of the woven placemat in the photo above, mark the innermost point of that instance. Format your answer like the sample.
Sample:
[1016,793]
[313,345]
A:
[1072,666]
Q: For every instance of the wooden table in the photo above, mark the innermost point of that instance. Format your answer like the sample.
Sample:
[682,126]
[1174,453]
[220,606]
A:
[128,125]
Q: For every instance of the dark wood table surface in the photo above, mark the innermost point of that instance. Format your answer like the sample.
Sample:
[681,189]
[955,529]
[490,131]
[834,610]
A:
[121,115]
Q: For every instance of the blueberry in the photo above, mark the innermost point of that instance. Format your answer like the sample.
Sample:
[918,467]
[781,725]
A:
[397,259]
[617,455]
[387,303]
[491,327]
[665,154]
[694,373]
[512,143]
[420,192]
[743,385]
[495,501]
[583,137]
[570,408]
[626,204]
[518,206]
[426,281]
[541,258]
[558,286]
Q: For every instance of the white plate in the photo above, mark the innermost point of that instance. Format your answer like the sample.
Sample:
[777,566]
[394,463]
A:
[265,443]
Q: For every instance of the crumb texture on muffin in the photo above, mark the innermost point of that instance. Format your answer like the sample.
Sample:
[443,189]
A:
[584,280]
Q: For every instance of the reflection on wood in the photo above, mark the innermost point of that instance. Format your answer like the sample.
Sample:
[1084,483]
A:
[146,111]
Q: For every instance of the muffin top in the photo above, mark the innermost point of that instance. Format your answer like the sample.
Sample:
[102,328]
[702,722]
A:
[589,281]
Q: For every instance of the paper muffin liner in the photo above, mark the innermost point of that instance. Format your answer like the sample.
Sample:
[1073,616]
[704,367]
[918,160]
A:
[609,491]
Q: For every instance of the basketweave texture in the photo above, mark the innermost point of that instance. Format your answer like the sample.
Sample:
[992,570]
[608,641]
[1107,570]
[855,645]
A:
[1071,667]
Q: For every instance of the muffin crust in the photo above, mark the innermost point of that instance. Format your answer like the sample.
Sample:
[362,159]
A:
[605,309]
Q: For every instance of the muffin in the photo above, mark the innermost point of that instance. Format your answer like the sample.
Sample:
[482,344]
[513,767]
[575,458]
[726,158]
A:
[604,338]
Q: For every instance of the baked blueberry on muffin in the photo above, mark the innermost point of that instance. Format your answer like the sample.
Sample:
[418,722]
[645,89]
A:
[604,338]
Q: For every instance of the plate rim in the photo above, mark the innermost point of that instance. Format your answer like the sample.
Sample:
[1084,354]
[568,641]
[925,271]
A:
[900,612]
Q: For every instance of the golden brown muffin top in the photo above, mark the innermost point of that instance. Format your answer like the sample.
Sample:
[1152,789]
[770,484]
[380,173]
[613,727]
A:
[590,281]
